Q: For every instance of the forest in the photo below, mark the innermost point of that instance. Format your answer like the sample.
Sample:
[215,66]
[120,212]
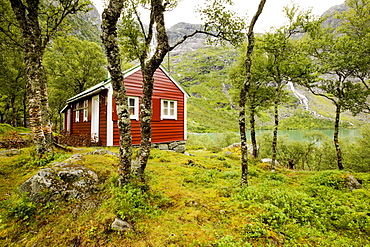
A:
[221,191]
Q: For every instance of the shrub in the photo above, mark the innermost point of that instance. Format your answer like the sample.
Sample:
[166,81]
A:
[13,139]
[20,209]
[132,203]
[6,128]
[333,179]
[75,140]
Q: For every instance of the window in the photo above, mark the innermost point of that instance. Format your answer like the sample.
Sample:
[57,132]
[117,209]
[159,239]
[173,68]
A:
[168,109]
[85,110]
[133,105]
[77,110]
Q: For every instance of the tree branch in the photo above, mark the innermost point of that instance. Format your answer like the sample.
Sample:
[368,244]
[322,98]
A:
[218,35]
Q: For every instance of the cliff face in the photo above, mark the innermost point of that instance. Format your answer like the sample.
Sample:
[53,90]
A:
[87,25]
[330,14]
[178,31]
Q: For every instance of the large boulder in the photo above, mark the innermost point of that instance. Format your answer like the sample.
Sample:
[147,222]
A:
[269,161]
[63,180]
[352,183]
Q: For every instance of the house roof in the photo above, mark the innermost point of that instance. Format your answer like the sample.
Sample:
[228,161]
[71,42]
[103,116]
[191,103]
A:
[103,85]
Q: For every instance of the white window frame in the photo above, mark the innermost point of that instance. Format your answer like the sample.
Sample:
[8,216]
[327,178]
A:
[163,108]
[135,116]
[77,112]
[85,110]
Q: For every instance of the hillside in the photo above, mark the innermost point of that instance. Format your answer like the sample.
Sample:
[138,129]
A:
[213,105]
[86,26]
[203,71]
[189,201]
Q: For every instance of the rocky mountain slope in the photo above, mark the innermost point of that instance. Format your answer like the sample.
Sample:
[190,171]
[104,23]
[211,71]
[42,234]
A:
[178,31]
[330,14]
[87,26]
[203,71]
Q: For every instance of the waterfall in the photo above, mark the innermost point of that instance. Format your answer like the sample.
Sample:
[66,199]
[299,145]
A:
[302,99]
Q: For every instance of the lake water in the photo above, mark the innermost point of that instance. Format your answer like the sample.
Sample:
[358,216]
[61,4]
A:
[297,135]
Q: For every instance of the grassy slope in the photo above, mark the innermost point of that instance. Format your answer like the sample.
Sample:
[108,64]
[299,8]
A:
[191,203]
[204,71]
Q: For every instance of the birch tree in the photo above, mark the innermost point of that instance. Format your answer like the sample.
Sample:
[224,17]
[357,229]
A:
[136,44]
[336,56]
[258,94]
[244,90]
[38,21]
[72,66]
[286,61]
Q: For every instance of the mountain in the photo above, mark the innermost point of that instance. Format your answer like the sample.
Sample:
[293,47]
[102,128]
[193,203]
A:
[87,26]
[203,69]
[178,31]
[330,14]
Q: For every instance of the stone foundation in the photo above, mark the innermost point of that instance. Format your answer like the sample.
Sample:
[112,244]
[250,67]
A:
[177,146]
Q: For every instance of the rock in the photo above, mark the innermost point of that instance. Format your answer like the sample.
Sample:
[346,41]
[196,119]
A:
[234,145]
[121,225]
[352,182]
[163,146]
[10,152]
[180,149]
[172,145]
[63,180]
[269,161]
[103,151]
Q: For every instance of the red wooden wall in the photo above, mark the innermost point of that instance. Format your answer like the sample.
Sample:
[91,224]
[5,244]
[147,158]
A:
[166,130]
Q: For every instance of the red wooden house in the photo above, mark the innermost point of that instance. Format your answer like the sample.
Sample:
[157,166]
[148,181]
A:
[93,111]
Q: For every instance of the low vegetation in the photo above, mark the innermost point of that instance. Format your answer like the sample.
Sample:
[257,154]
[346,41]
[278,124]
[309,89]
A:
[212,105]
[192,201]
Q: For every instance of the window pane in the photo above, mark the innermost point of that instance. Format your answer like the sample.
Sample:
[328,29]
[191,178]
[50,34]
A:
[172,112]
[165,111]
[132,110]
[131,102]
[165,104]
[172,105]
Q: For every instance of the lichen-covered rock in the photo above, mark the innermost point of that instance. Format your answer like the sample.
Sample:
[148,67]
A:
[180,149]
[10,152]
[63,180]
[103,151]
[121,225]
[269,161]
[163,146]
[352,182]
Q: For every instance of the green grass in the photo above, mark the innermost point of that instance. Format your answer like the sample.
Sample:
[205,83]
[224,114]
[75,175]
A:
[190,201]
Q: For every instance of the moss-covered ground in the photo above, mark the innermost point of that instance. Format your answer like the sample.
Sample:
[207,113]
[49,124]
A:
[189,201]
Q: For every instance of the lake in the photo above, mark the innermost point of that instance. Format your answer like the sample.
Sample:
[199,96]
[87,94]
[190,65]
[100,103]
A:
[297,135]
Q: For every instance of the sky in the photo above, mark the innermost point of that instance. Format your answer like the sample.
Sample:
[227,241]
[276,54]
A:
[272,15]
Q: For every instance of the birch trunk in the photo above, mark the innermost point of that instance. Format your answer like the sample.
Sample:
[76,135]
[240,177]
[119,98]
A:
[27,18]
[148,68]
[252,120]
[145,121]
[244,91]
[110,18]
[276,124]
[336,136]
[243,137]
